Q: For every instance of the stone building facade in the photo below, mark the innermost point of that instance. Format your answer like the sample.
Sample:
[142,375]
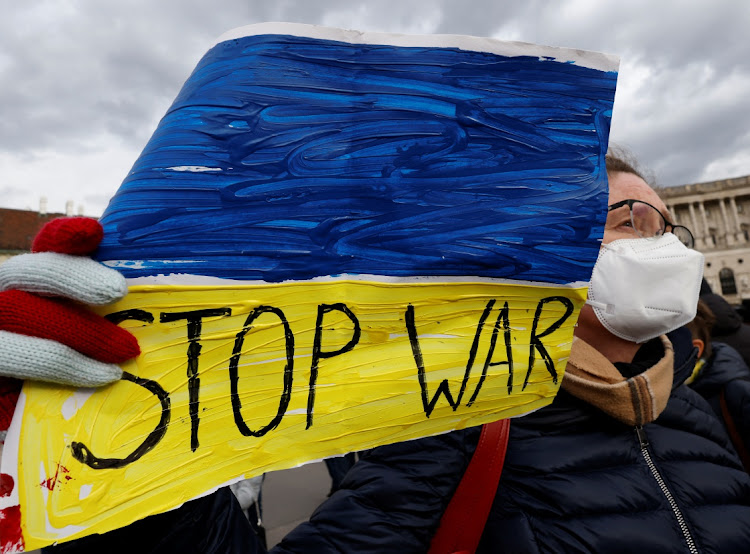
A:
[718,214]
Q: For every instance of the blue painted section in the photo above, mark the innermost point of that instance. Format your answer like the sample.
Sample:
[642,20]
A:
[330,158]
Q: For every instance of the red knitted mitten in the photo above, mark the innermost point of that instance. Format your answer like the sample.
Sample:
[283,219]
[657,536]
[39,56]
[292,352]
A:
[67,323]
[23,314]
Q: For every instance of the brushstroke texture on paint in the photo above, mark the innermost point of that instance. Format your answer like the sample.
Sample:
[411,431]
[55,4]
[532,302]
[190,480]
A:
[291,158]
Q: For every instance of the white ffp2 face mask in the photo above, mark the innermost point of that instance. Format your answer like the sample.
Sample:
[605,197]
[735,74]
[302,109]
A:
[643,288]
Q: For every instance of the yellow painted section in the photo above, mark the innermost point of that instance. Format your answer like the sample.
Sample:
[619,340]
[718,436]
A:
[367,395]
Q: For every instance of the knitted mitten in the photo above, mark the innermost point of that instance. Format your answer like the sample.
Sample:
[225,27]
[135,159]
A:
[51,274]
[53,337]
[48,318]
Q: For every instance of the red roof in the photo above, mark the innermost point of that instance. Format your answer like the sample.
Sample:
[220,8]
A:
[19,227]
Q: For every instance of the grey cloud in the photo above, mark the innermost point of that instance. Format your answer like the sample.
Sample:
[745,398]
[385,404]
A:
[73,72]
[97,71]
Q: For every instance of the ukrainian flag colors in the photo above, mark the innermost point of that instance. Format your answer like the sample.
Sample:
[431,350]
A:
[333,241]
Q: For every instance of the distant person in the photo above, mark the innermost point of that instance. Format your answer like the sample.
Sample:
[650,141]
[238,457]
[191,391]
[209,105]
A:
[729,327]
[722,377]
[625,459]
[249,495]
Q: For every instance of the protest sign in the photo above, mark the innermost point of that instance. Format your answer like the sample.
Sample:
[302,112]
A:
[334,240]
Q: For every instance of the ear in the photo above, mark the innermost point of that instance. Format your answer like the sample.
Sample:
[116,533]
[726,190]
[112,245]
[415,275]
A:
[700,345]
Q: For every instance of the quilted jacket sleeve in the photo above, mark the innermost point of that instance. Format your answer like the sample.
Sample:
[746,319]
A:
[737,402]
[390,501]
[725,384]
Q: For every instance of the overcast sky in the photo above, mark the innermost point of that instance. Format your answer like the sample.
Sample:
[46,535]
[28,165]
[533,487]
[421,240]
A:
[83,83]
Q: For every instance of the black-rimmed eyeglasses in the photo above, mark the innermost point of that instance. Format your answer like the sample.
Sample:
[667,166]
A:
[648,222]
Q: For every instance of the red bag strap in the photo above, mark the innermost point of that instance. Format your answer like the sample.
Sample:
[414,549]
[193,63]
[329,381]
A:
[463,521]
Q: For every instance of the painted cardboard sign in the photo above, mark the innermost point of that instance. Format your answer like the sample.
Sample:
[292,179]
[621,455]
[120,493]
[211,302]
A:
[334,240]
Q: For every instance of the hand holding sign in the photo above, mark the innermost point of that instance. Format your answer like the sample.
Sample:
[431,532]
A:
[46,337]
[47,333]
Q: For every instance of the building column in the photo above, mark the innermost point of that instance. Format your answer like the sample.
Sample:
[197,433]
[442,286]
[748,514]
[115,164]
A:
[700,240]
[704,220]
[736,216]
[728,233]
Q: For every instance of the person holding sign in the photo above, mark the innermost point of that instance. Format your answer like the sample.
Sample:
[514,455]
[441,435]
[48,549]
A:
[625,458]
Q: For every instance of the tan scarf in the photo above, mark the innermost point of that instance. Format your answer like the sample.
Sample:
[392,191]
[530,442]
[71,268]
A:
[635,401]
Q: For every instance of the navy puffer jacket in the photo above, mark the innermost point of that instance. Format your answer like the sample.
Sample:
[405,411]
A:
[725,383]
[575,480]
